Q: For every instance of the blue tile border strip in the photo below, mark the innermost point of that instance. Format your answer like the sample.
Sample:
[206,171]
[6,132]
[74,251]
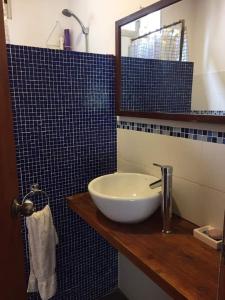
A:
[180,132]
[208,112]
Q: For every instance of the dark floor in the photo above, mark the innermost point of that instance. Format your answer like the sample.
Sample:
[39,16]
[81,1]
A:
[116,295]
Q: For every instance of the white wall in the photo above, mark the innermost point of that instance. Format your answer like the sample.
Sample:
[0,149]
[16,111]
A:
[209,71]
[209,31]
[198,184]
[205,24]
[199,169]
[101,15]
[33,20]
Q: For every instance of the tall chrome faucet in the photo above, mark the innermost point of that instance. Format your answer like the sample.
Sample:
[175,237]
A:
[166,183]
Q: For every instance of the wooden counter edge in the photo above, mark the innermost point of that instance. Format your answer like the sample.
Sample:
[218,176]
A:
[167,287]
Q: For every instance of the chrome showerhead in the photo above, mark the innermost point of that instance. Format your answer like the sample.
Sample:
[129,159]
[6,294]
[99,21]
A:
[67,13]
[85,30]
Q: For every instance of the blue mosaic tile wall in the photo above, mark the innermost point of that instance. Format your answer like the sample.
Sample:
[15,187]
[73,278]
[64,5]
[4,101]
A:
[156,85]
[209,136]
[65,130]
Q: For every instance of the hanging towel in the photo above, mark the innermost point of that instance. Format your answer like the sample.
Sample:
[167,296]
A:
[42,239]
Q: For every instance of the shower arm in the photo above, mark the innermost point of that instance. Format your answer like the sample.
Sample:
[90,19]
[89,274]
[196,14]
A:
[85,31]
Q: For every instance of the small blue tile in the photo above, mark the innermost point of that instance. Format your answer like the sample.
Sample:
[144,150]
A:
[209,133]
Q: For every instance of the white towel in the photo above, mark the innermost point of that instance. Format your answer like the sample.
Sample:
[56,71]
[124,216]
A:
[42,239]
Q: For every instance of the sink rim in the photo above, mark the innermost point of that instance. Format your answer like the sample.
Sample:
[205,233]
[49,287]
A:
[130,198]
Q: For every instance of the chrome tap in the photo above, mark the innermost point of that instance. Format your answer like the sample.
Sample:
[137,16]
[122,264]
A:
[166,183]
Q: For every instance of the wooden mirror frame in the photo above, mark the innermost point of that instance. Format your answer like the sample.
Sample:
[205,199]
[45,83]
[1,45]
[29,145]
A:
[153,115]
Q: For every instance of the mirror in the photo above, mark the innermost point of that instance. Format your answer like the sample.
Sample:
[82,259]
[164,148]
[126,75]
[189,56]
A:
[171,60]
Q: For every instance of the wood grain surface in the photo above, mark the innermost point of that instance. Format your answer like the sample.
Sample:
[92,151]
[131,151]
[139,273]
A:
[180,264]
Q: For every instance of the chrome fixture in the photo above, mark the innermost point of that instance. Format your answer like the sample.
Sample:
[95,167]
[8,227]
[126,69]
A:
[166,183]
[85,30]
[27,208]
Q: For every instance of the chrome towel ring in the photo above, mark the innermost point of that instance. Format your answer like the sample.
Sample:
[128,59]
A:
[27,207]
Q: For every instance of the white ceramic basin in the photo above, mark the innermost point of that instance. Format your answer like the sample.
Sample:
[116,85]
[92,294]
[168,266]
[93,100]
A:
[125,197]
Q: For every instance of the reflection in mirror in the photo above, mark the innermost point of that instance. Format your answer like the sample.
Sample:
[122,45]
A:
[172,60]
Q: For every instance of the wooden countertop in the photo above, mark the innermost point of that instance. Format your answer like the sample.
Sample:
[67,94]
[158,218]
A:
[181,265]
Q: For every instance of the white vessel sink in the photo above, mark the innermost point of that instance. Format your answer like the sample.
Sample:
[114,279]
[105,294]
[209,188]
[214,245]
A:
[125,197]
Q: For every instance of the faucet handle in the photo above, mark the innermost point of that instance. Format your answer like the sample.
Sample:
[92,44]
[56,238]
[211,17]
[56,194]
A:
[164,167]
[157,165]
